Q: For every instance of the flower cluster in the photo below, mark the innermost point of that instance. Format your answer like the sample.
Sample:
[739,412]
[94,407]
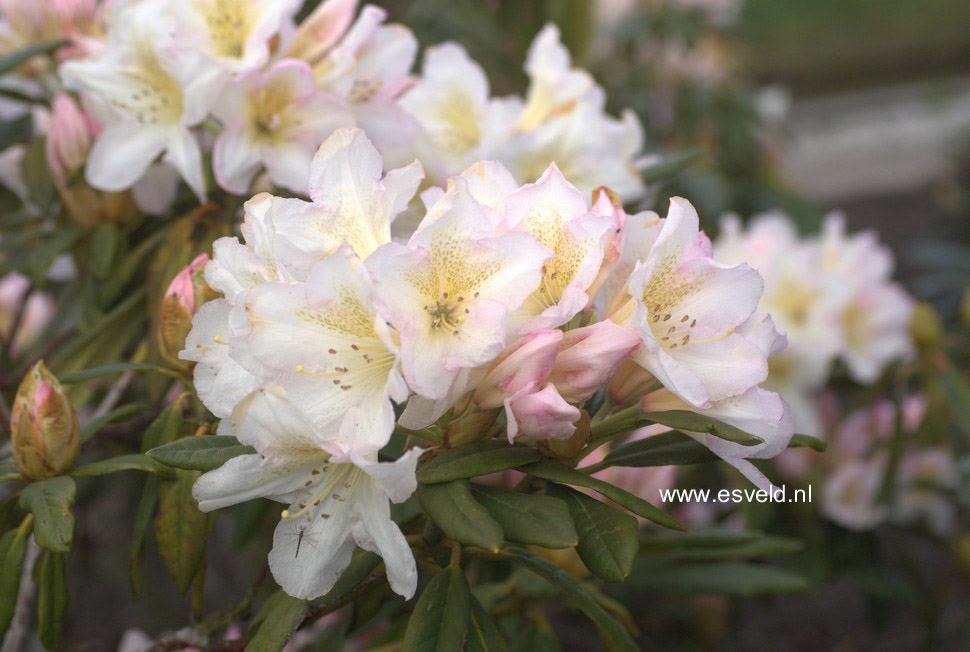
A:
[169,81]
[833,297]
[487,309]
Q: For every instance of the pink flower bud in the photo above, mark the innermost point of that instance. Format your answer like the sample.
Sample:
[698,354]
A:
[542,415]
[588,358]
[185,294]
[45,432]
[71,133]
[523,366]
[629,383]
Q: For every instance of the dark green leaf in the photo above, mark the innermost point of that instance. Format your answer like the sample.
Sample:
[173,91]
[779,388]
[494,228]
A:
[13,548]
[104,244]
[108,370]
[143,518]
[451,506]
[279,617]
[548,470]
[614,635]
[440,618]
[528,518]
[203,453]
[957,393]
[164,429]
[20,57]
[608,538]
[117,414]
[665,449]
[472,460]
[16,131]
[50,502]
[52,597]
[726,578]
[808,441]
[181,529]
[670,166]
[700,538]
[133,462]
[694,422]
[483,635]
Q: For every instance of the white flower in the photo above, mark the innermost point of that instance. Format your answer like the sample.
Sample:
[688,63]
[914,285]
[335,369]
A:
[850,495]
[275,119]
[155,90]
[333,502]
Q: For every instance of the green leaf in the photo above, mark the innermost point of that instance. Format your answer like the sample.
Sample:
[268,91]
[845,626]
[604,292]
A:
[117,414]
[181,529]
[700,538]
[808,441]
[18,58]
[758,549]
[529,518]
[164,429]
[143,518]
[608,538]
[665,449]
[725,578]
[50,502]
[203,453]
[957,393]
[451,506]
[362,565]
[276,621]
[614,635]
[133,462]
[108,370]
[52,597]
[670,166]
[548,470]
[104,245]
[694,422]
[483,635]
[13,549]
[440,618]
[472,460]
[13,132]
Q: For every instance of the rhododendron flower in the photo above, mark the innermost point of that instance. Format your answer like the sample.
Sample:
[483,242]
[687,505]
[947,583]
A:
[275,119]
[588,358]
[850,495]
[155,91]
[333,501]
[522,367]
[557,215]
[687,308]
[449,291]
[69,138]
[542,414]
[925,477]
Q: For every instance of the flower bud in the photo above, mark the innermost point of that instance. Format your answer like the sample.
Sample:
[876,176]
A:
[542,415]
[524,365]
[629,383]
[925,327]
[186,293]
[588,358]
[472,426]
[69,138]
[321,30]
[566,448]
[45,432]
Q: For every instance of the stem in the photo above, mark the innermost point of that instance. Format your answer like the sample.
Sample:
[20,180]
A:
[25,597]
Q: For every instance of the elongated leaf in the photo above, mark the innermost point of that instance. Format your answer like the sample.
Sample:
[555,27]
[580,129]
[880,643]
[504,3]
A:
[104,245]
[483,635]
[108,370]
[670,166]
[8,471]
[548,470]
[200,453]
[164,429]
[727,578]
[808,441]
[181,529]
[957,392]
[451,506]
[133,462]
[276,621]
[614,635]
[143,518]
[50,502]
[117,414]
[700,538]
[608,538]
[362,565]
[529,518]
[440,618]
[18,58]
[665,449]
[757,549]
[51,576]
[13,549]
[479,458]
[694,422]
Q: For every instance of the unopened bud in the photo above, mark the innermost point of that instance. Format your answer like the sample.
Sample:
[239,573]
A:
[185,295]
[629,383]
[925,327]
[69,138]
[45,432]
[472,426]
[566,448]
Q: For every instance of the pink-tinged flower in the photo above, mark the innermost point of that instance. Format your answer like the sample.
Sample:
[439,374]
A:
[557,215]
[273,119]
[588,358]
[44,431]
[321,30]
[556,87]
[522,367]
[876,325]
[184,296]
[234,33]
[35,22]
[450,290]
[35,315]
[69,138]
[542,414]
[630,383]
[850,495]
[687,308]
[926,477]
[155,92]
